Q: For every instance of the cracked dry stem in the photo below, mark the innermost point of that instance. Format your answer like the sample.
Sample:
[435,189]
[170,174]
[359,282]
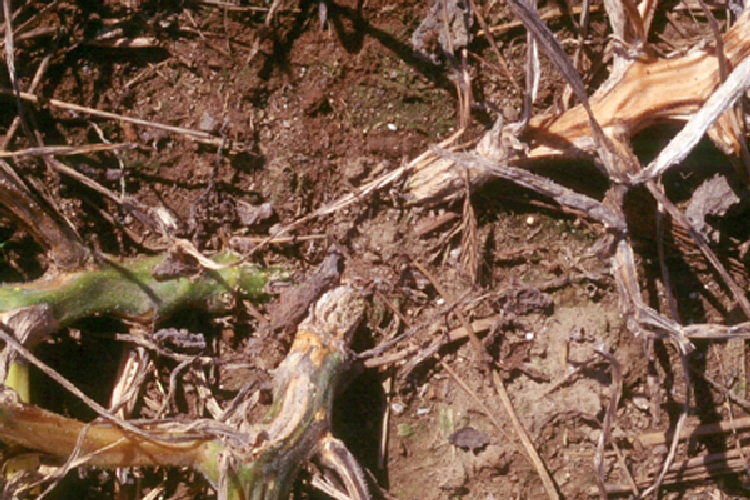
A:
[296,428]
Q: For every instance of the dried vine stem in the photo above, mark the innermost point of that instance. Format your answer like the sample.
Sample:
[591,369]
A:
[65,150]
[615,389]
[259,463]
[196,135]
[646,91]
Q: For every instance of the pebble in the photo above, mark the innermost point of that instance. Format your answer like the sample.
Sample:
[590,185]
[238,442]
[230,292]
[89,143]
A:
[207,123]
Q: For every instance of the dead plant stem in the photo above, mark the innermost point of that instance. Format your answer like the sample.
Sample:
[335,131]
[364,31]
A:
[12,343]
[475,342]
[40,72]
[196,135]
[541,469]
[10,61]
[737,292]
[65,150]
[615,389]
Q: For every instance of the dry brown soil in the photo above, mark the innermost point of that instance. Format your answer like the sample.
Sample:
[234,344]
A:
[311,113]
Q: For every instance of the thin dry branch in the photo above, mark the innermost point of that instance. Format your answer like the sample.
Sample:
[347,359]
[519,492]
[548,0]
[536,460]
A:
[696,430]
[553,12]
[566,197]
[18,30]
[549,485]
[615,389]
[196,135]
[66,150]
[10,62]
[41,70]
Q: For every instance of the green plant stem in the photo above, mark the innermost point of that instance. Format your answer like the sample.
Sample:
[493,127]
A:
[257,466]
[128,290]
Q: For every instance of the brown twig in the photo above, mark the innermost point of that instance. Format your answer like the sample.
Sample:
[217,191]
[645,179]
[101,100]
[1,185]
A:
[141,42]
[66,150]
[231,7]
[696,430]
[551,13]
[40,71]
[493,44]
[625,469]
[615,389]
[196,135]
[541,469]
[22,27]
[706,466]
[479,350]
[469,238]
[10,61]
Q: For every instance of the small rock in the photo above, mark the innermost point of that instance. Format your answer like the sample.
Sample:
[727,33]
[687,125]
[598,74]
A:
[398,408]
[252,215]
[468,438]
[208,123]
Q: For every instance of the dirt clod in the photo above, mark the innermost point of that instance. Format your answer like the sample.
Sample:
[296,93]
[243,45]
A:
[469,438]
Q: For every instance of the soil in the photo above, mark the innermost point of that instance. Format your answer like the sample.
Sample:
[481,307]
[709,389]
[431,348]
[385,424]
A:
[307,110]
